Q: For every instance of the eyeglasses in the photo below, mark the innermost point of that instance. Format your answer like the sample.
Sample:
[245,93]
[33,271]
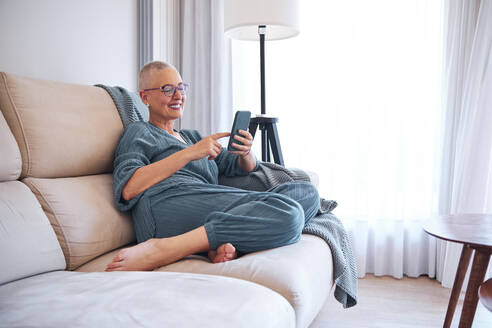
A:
[169,89]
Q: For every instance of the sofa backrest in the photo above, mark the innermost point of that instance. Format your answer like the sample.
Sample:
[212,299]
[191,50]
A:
[62,129]
[67,135]
[28,244]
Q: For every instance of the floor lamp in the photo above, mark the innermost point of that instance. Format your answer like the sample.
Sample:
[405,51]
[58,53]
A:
[261,20]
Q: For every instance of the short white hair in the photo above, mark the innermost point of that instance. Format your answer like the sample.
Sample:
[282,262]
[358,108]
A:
[146,72]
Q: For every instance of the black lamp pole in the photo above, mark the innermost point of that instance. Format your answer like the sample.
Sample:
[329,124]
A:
[261,32]
[265,152]
[267,125]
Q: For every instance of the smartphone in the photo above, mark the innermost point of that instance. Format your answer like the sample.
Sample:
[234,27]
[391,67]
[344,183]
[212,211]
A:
[241,122]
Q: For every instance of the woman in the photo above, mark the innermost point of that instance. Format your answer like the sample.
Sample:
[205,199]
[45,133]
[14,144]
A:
[169,181]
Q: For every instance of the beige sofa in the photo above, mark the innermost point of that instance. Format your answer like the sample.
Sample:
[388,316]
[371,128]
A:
[59,228]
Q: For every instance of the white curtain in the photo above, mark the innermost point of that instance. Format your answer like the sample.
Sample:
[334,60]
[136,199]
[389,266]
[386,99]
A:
[466,183]
[358,95]
[358,98]
[205,64]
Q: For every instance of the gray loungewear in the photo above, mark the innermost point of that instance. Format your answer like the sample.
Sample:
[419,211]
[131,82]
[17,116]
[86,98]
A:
[192,197]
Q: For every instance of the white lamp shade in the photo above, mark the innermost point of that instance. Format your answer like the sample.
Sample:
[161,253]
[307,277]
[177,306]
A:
[242,18]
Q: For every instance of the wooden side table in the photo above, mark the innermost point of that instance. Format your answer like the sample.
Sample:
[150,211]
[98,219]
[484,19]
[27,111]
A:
[474,231]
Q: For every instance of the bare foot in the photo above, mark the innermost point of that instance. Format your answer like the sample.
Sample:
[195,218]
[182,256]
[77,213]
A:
[224,253]
[146,256]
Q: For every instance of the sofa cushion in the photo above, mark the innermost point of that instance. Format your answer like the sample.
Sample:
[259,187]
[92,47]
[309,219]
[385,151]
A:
[301,272]
[11,163]
[140,299]
[82,213]
[28,244]
[62,129]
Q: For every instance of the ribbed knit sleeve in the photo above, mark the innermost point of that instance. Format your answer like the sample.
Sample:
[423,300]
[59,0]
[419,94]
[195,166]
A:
[133,152]
[226,162]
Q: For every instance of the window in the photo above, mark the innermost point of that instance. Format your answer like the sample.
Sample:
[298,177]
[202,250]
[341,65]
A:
[358,98]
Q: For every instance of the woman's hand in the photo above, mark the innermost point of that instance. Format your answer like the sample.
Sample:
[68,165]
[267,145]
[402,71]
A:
[208,146]
[246,140]
[246,159]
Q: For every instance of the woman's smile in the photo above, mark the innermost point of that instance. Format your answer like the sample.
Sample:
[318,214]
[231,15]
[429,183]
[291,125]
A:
[175,106]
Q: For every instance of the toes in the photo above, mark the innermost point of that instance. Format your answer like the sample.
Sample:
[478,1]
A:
[224,257]
[218,259]
[224,253]
[115,269]
[119,257]
[229,248]
[113,265]
[226,248]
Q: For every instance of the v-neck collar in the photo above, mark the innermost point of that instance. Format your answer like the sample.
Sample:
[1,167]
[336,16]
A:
[186,141]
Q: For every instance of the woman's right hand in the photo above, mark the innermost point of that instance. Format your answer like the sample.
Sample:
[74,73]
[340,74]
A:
[148,175]
[208,146]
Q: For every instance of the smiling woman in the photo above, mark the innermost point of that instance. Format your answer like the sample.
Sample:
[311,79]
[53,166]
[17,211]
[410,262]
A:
[169,180]
[357,94]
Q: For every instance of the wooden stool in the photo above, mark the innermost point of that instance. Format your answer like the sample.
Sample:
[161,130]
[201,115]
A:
[485,294]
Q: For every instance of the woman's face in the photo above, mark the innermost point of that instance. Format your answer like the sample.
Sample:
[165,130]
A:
[161,106]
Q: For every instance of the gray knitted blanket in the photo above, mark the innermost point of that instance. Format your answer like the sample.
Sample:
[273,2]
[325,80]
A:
[324,225]
[129,105]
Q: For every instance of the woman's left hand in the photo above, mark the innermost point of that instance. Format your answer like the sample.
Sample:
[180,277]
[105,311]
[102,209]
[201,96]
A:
[247,142]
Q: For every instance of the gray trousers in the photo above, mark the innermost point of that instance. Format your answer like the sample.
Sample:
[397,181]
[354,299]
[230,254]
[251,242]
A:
[249,220]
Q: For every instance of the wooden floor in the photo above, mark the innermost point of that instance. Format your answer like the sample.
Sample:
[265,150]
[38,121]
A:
[388,302]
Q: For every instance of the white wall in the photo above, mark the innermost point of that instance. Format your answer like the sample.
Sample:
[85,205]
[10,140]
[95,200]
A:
[87,42]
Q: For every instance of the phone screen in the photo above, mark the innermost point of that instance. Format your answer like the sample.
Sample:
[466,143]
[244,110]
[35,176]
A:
[241,122]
